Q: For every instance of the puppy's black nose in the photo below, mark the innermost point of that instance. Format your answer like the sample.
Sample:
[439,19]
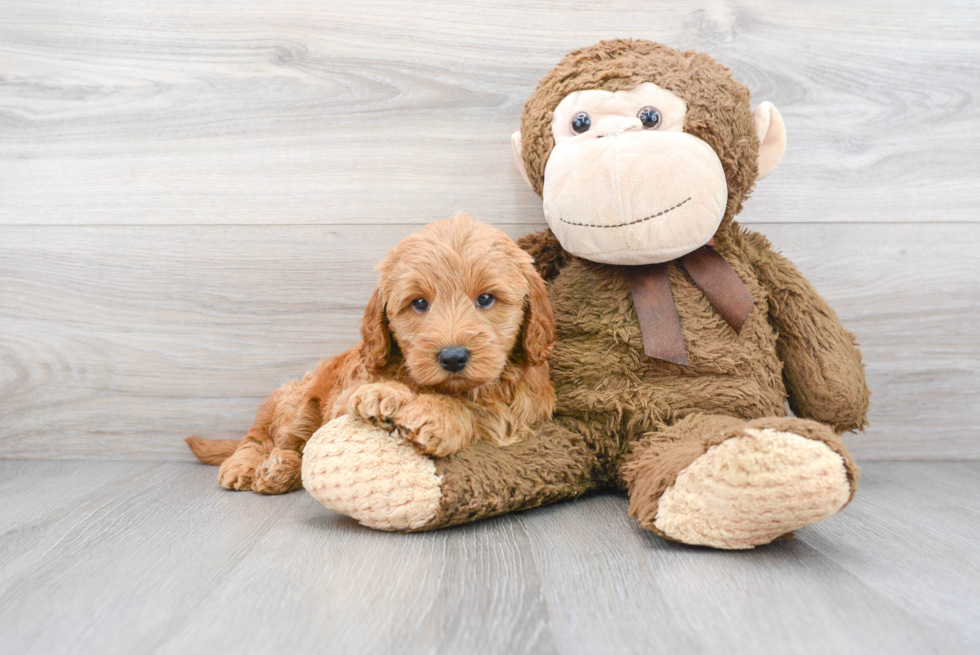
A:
[453,358]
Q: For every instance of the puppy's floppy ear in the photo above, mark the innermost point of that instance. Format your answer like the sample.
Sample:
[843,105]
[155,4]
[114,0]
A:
[375,334]
[538,331]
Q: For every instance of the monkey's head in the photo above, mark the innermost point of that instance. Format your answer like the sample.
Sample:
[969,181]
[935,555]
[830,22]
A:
[642,153]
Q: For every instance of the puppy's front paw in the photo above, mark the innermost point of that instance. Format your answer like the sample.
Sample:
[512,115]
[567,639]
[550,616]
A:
[378,403]
[431,426]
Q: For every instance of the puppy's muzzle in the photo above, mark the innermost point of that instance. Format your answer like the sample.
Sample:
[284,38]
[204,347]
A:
[453,358]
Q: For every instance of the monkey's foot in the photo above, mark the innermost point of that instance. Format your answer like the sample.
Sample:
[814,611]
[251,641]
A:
[375,477]
[753,488]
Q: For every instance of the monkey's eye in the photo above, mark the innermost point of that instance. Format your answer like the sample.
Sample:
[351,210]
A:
[485,301]
[650,117]
[581,123]
[420,305]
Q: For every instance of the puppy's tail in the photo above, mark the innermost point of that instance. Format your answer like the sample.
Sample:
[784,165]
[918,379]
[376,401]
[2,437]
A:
[212,452]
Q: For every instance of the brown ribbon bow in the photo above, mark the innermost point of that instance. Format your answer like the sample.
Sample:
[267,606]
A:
[654,302]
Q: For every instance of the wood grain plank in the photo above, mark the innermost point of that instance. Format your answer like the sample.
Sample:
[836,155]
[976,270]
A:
[121,341]
[156,558]
[905,535]
[346,589]
[49,497]
[107,571]
[393,112]
[613,587]
[33,493]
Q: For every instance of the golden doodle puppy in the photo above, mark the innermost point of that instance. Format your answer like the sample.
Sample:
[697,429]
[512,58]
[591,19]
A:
[454,348]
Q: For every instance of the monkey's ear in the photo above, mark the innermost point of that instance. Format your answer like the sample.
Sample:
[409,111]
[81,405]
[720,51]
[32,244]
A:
[515,142]
[375,336]
[772,137]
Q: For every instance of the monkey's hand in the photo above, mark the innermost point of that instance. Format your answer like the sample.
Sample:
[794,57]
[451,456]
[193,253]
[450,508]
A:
[378,403]
[437,425]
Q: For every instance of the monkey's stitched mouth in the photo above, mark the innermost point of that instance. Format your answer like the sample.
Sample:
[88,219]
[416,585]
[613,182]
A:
[639,220]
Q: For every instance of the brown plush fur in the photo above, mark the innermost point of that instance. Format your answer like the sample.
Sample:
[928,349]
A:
[393,379]
[624,419]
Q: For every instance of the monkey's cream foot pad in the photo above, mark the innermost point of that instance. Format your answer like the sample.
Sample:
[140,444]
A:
[753,488]
[375,477]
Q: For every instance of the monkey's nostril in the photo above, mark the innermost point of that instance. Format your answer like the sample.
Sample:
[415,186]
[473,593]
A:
[453,358]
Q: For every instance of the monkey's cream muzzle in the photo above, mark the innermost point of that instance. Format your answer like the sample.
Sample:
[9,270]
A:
[630,196]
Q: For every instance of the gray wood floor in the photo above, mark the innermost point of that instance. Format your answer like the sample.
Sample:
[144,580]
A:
[143,557]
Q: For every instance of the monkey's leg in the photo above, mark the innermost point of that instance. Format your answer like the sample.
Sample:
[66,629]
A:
[728,483]
[381,480]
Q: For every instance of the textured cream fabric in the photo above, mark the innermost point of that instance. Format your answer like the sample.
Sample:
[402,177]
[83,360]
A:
[640,197]
[370,475]
[750,489]
[515,144]
[772,137]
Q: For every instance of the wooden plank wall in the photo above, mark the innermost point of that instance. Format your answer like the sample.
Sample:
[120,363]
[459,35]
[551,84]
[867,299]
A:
[193,194]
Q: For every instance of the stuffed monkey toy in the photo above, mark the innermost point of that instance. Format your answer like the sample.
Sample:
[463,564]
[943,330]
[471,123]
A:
[680,334]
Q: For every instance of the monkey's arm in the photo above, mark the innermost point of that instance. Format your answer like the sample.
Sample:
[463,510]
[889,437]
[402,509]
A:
[549,256]
[385,483]
[822,365]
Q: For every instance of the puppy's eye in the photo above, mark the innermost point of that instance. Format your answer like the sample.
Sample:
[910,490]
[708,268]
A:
[485,301]
[650,117]
[581,123]
[420,305]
